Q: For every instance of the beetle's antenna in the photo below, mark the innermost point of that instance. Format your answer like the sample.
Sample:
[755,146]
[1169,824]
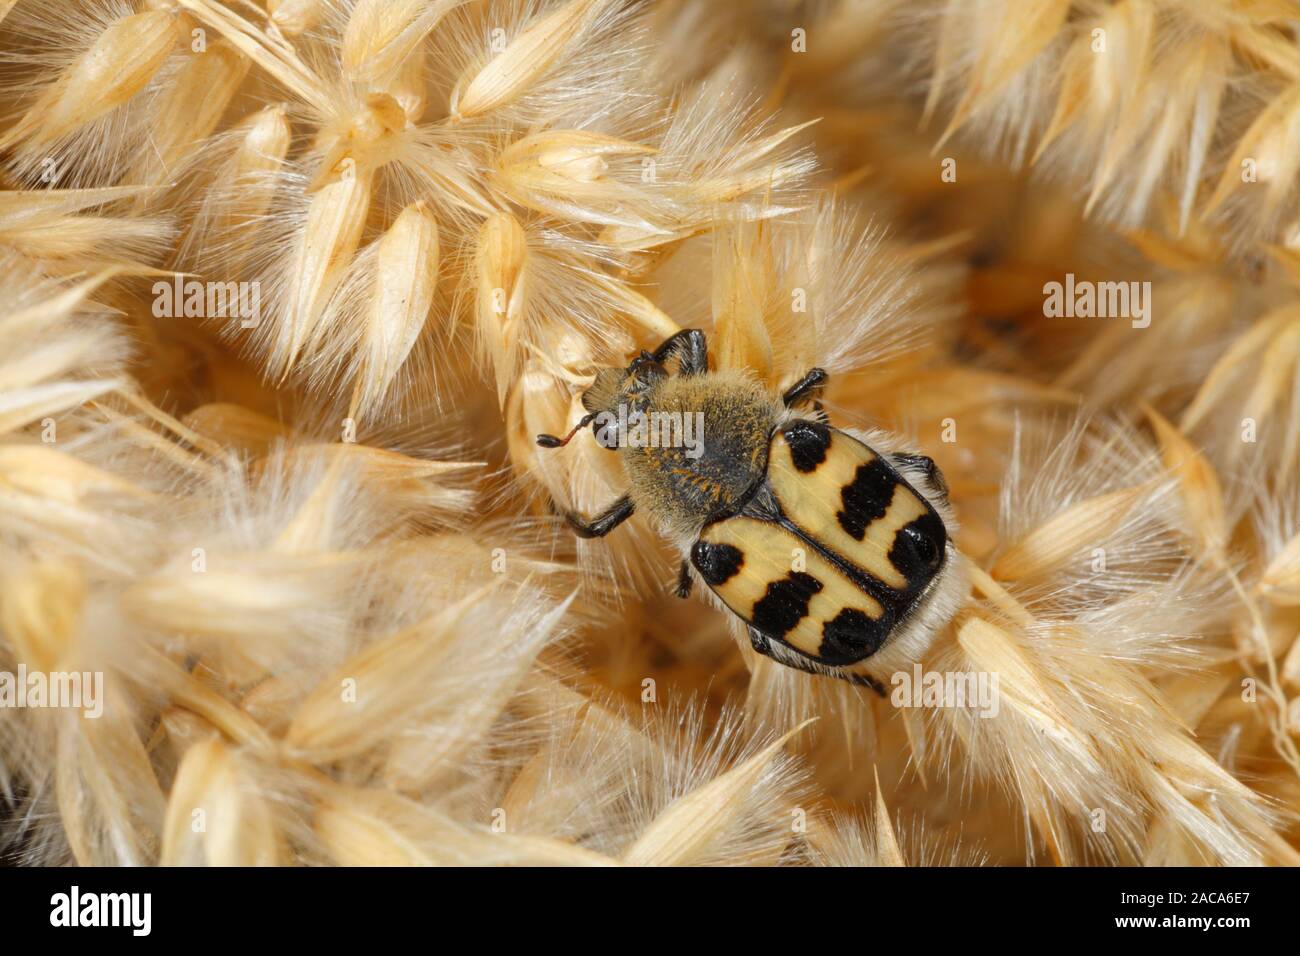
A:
[551,441]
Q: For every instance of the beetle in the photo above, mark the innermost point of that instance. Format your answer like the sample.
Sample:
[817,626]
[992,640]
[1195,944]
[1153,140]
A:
[835,555]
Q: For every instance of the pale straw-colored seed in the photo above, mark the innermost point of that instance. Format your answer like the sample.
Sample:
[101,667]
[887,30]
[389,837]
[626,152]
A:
[194,102]
[393,470]
[184,729]
[315,524]
[391,676]
[402,478]
[539,406]
[739,303]
[1220,382]
[1053,544]
[375,828]
[1014,37]
[272,701]
[640,310]
[1192,695]
[49,360]
[511,73]
[238,828]
[56,477]
[501,264]
[262,148]
[48,312]
[1273,142]
[40,611]
[109,803]
[406,274]
[293,17]
[233,600]
[354,836]
[265,143]
[416,761]
[124,58]
[691,825]
[381,34]
[1290,669]
[237,427]
[544,851]
[74,237]
[721,189]
[1281,580]
[1198,485]
[409,86]
[196,696]
[887,849]
[134,398]
[563,173]
[1022,687]
[335,220]
[20,407]
[1275,378]
[563,158]
[726,187]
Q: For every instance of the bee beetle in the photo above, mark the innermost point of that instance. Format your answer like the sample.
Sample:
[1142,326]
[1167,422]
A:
[835,555]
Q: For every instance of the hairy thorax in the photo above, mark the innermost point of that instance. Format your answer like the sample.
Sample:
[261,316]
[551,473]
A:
[717,427]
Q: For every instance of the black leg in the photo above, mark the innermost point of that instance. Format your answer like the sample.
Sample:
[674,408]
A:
[691,349]
[810,384]
[603,523]
[932,472]
[684,580]
[763,645]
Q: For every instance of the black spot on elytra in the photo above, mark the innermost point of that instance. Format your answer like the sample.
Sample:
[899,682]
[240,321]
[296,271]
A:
[785,604]
[866,498]
[809,442]
[850,637]
[917,552]
[717,563]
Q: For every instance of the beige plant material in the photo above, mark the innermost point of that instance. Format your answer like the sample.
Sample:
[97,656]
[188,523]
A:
[406,274]
[685,831]
[124,58]
[316,557]
[335,218]
[501,264]
[509,74]
[381,36]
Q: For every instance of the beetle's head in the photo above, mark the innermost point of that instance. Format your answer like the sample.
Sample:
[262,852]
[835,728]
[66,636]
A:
[619,386]
[611,388]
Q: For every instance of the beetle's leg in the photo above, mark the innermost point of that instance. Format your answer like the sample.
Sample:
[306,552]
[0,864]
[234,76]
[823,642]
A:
[684,580]
[603,523]
[691,349]
[810,384]
[932,473]
[763,645]
[819,413]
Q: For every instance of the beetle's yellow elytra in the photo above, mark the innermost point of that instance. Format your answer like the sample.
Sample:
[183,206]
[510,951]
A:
[849,500]
[783,583]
